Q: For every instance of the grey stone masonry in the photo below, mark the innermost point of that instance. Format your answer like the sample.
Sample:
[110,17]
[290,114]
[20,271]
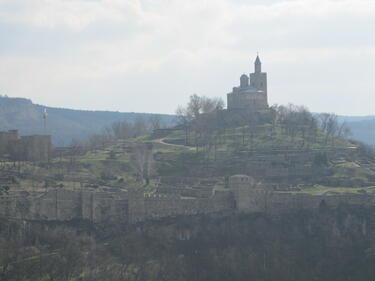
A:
[253,96]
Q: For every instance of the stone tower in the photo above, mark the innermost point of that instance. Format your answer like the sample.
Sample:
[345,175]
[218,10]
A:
[248,196]
[258,79]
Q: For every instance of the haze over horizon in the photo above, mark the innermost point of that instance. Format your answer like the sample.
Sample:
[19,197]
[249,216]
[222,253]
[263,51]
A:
[150,55]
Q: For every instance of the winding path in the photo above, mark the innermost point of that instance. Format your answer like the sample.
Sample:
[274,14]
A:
[161,141]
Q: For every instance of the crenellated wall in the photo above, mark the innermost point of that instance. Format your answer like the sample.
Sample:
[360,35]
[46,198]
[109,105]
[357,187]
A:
[134,205]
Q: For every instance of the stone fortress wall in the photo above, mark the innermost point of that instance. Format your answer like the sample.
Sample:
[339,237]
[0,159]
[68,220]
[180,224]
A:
[98,206]
[252,198]
[105,206]
[24,148]
[65,205]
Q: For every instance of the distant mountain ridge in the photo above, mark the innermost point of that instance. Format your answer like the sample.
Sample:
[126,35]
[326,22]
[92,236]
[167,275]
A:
[63,124]
[363,130]
[356,118]
[362,127]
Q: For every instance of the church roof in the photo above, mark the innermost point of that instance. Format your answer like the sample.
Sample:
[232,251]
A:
[257,60]
[250,90]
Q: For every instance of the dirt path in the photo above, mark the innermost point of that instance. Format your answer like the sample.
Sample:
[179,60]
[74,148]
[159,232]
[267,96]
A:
[161,141]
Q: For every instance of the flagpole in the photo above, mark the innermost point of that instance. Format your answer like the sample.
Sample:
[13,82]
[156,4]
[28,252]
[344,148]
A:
[45,120]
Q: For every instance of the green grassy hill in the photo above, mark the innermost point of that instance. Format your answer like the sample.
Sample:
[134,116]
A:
[300,161]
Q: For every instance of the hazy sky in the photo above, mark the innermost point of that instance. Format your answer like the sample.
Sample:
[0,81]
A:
[150,55]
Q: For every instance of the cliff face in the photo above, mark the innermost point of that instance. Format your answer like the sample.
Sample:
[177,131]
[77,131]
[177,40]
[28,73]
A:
[325,244]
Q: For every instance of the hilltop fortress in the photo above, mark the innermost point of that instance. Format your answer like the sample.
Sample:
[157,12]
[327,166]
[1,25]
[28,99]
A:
[270,174]
[250,96]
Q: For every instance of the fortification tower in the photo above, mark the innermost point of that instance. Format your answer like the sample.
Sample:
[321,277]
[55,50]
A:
[247,195]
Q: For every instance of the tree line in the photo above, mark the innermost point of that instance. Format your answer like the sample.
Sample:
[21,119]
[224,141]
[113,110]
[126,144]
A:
[206,123]
[120,130]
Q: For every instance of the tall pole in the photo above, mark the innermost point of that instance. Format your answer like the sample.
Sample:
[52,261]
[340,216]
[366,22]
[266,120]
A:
[45,115]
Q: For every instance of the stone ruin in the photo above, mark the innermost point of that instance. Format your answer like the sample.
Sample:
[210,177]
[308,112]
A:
[244,195]
[24,148]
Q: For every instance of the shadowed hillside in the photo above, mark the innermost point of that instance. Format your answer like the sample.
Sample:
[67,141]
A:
[63,124]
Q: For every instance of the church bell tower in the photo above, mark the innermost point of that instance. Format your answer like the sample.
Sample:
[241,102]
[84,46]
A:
[258,79]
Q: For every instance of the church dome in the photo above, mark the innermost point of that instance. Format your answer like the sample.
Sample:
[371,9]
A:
[244,81]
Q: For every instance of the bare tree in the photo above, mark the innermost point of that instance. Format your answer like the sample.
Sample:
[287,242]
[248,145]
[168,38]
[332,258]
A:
[194,107]
[183,119]
[143,162]
[329,125]
[344,131]
[155,122]
[209,105]
[140,126]
[121,129]
[202,104]
[190,116]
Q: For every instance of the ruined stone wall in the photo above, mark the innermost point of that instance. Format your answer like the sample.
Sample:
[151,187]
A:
[104,206]
[25,148]
[134,205]
[152,206]
[6,139]
[35,148]
[278,203]
[165,205]
[65,205]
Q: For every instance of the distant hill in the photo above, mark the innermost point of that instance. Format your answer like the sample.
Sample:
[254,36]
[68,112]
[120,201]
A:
[63,124]
[362,127]
[363,130]
[356,118]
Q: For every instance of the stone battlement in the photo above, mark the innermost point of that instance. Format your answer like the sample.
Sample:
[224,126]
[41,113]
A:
[134,205]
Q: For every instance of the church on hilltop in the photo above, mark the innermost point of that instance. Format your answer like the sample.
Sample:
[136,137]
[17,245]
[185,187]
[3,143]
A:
[250,95]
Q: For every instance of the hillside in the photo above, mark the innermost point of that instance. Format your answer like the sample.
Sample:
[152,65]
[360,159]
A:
[286,153]
[329,244]
[63,124]
[278,152]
